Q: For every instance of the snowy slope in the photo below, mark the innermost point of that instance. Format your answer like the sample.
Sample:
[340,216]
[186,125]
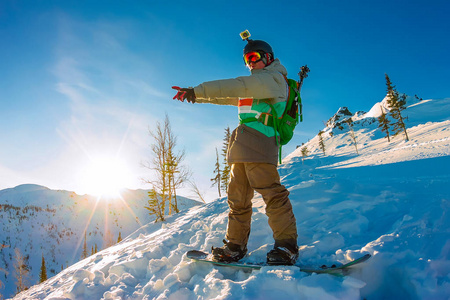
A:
[392,201]
[40,221]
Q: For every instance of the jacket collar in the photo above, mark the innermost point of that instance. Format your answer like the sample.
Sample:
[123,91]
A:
[275,66]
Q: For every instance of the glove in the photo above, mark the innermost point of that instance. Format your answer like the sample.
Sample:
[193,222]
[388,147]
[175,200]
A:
[184,93]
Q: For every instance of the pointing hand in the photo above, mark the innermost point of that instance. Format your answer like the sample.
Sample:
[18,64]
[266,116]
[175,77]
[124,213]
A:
[184,93]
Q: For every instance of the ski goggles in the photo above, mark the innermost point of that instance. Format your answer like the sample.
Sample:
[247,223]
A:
[252,57]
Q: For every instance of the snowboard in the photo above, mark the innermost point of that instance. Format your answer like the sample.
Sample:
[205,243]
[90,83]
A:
[201,256]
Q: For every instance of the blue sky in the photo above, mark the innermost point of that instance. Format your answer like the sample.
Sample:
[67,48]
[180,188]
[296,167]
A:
[82,81]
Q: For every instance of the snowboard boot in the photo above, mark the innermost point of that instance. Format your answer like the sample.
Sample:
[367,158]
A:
[229,252]
[282,256]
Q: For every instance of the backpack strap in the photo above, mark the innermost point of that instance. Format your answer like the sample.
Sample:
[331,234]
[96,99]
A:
[274,121]
[275,117]
[264,118]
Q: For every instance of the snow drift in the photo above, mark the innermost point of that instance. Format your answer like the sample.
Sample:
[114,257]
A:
[392,201]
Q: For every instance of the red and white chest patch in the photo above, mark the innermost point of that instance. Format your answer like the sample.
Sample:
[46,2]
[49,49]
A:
[245,106]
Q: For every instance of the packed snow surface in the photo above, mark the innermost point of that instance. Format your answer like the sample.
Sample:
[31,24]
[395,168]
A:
[391,201]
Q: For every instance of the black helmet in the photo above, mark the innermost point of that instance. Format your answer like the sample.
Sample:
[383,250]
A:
[261,47]
[257,45]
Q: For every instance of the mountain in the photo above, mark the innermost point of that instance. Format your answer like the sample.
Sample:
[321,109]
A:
[392,201]
[43,222]
[340,116]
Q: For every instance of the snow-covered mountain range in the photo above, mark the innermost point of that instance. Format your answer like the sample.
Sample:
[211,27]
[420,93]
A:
[43,222]
[392,201]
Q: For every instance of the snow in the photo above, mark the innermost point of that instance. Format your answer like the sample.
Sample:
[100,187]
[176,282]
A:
[392,201]
[40,221]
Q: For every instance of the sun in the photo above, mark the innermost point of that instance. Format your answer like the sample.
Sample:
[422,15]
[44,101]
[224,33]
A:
[106,177]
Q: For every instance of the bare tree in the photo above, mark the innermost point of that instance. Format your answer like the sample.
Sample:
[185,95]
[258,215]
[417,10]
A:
[1,283]
[160,151]
[108,239]
[170,174]
[21,270]
[196,191]
[349,122]
[321,142]
[2,270]
[305,153]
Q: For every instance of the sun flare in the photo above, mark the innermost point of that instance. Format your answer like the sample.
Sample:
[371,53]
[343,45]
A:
[106,177]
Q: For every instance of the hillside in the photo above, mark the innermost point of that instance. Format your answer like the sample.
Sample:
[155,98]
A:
[39,221]
[392,201]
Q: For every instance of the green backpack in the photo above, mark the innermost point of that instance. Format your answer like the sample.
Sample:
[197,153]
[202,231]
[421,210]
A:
[285,124]
[293,113]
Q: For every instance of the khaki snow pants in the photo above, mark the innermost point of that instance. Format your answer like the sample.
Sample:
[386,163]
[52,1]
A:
[245,178]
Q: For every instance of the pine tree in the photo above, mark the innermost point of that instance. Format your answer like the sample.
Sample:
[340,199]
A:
[171,166]
[84,253]
[321,142]
[119,239]
[155,206]
[43,274]
[217,171]
[396,104]
[384,123]
[226,167]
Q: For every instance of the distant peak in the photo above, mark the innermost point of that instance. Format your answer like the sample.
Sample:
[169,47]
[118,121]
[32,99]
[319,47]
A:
[341,115]
[29,188]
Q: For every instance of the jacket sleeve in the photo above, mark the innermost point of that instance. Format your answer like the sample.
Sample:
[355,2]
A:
[263,85]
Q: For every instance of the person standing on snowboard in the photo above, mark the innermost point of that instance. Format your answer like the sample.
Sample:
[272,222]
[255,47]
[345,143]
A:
[253,152]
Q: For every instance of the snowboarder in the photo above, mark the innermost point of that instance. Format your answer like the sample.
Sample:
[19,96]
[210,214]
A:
[253,152]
